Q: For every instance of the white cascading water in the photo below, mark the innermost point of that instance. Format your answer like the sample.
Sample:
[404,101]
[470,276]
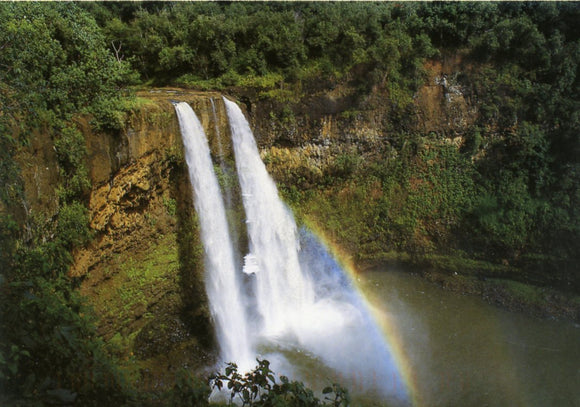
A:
[282,290]
[302,296]
[221,279]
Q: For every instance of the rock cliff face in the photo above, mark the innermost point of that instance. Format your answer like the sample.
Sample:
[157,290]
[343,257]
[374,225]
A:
[40,173]
[141,193]
[143,271]
[133,190]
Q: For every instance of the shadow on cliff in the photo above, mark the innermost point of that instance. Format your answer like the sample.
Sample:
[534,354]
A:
[195,312]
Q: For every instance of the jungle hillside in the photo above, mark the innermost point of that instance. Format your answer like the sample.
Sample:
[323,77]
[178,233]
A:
[482,183]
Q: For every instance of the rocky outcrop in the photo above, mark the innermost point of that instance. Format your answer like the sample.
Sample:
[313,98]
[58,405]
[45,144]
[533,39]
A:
[133,174]
[144,266]
[40,174]
[443,104]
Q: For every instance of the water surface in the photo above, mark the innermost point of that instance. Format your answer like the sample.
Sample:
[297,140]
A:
[462,351]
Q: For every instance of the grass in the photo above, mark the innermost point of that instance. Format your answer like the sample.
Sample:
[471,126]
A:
[266,83]
[135,103]
[525,293]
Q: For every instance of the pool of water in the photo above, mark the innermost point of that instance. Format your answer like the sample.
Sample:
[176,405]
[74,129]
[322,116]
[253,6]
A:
[460,351]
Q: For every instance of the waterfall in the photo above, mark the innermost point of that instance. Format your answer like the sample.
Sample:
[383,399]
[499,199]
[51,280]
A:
[282,289]
[290,298]
[222,282]
[302,295]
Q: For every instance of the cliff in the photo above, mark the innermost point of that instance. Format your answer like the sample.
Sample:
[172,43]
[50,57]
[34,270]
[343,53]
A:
[330,152]
[143,270]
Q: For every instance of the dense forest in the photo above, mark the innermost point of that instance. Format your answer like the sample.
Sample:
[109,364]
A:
[509,196]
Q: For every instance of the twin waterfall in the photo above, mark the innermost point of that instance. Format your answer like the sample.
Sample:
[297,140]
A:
[221,278]
[289,302]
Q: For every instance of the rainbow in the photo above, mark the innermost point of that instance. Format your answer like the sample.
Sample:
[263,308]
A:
[393,335]
[386,322]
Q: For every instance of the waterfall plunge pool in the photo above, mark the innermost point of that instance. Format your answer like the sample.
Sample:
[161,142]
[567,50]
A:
[460,351]
[457,350]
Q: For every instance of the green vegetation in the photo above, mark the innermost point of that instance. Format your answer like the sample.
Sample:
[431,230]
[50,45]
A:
[503,202]
[134,285]
[54,65]
[268,47]
[255,388]
[412,203]
[259,388]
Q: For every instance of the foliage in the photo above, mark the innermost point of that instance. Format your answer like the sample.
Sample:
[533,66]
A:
[222,45]
[259,388]
[170,205]
[55,62]
[48,346]
[527,94]
[189,391]
[54,65]
[71,153]
[412,197]
[72,228]
[48,349]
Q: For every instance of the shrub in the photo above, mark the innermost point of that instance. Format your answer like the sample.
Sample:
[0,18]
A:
[259,388]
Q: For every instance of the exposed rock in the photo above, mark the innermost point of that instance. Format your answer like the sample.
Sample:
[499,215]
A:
[443,108]
[141,268]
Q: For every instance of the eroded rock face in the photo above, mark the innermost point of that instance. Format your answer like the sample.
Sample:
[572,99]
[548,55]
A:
[130,174]
[128,209]
[144,265]
[444,105]
[134,176]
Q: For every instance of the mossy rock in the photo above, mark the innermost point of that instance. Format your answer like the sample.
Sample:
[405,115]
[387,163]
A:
[160,336]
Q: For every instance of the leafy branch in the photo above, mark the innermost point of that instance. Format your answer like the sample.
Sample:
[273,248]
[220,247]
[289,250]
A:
[259,388]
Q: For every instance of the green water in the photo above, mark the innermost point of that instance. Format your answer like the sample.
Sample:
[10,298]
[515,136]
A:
[463,352]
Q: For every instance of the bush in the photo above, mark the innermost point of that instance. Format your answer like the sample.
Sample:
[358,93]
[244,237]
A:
[71,153]
[48,349]
[259,388]
[189,391]
[72,229]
